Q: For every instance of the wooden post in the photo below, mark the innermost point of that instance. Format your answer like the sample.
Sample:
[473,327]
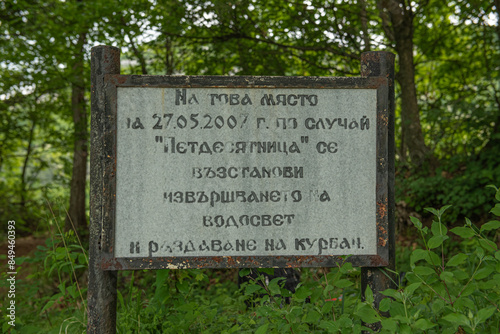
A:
[381,64]
[101,299]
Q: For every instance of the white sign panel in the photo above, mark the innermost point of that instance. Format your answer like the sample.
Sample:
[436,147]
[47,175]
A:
[245,172]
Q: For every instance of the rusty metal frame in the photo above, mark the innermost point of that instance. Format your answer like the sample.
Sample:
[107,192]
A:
[107,171]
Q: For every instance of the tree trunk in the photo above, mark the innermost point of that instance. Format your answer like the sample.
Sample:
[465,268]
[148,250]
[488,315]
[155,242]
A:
[412,141]
[77,217]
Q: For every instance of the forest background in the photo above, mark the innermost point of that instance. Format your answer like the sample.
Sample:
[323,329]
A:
[447,87]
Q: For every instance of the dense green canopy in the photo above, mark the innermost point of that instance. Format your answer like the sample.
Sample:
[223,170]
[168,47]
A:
[448,92]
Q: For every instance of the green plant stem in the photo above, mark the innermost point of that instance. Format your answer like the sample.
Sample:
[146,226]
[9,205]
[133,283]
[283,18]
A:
[471,278]
[69,258]
[427,285]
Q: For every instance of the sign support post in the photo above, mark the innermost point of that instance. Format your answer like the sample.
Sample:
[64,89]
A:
[381,64]
[101,299]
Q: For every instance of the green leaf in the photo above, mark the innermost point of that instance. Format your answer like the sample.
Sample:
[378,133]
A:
[497,255]
[410,289]
[464,232]
[330,326]
[344,321]
[302,292]
[416,222]
[343,283]
[423,271]
[417,255]
[433,211]
[393,294]
[385,304]
[436,241]
[488,245]
[457,318]
[457,260]
[274,287]
[389,324]
[491,225]
[262,329]
[369,295]
[49,304]
[496,210]
[438,229]
[447,276]
[367,314]
[244,272]
[484,272]
[268,271]
[252,288]
[483,314]
[312,316]
[437,306]
[443,209]
[424,324]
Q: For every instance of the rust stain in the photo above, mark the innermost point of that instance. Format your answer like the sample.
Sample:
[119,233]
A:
[383,118]
[382,209]
[382,242]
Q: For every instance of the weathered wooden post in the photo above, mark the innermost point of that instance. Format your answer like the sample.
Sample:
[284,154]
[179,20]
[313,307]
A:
[381,64]
[101,300]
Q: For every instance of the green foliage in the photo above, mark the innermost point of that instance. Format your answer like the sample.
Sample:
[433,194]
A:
[451,285]
[50,291]
[448,290]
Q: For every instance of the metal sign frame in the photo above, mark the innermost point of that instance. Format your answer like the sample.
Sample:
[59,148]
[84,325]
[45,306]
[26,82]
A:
[107,130]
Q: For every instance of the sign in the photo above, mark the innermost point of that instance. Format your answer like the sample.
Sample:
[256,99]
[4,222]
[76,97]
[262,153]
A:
[245,171]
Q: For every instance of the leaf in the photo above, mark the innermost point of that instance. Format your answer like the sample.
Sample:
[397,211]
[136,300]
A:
[49,304]
[436,241]
[312,316]
[417,255]
[344,321]
[274,285]
[496,210]
[244,272]
[330,326]
[491,225]
[457,318]
[484,272]
[433,211]
[369,295]
[393,294]
[488,245]
[262,329]
[410,289]
[464,232]
[443,209]
[438,229]
[447,276]
[483,314]
[389,324]
[385,304]
[302,292]
[252,288]
[367,314]
[416,222]
[423,271]
[268,271]
[456,260]
[424,324]
[343,283]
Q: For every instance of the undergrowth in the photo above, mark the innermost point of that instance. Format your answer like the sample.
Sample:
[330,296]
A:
[451,284]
